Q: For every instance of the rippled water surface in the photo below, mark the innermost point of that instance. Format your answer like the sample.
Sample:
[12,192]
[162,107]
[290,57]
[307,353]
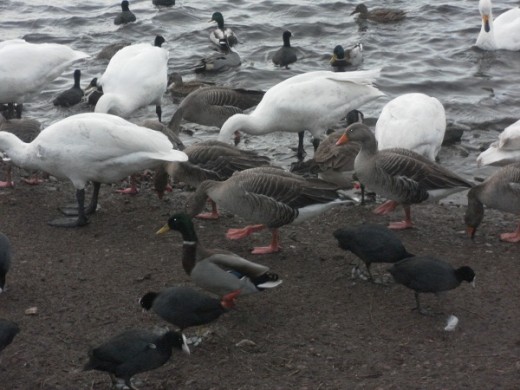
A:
[431,51]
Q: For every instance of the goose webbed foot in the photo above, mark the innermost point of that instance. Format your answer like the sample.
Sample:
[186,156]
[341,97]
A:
[211,215]
[386,207]
[511,237]
[401,225]
[34,181]
[7,184]
[236,234]
[264,250]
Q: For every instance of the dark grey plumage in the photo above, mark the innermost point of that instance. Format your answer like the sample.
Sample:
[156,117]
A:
[108,51]
[133,352]
[220,60]
[5,259]
[213,105]
[125,16]
[8,330]
[71,96]
[179,88]
[372,243]
[381,15]
[165,3]
[285,55]
[185,307]
[93,92]
[426,274]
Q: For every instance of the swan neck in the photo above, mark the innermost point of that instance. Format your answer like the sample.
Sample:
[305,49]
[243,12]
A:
[16,149]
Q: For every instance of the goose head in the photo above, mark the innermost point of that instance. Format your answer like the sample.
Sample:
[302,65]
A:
[356,132]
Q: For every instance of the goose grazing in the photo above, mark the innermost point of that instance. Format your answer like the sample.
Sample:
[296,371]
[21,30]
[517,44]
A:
[71,96]
[215,270]
[135,77]
[220,60]
[212,160]
[412,121]
[125,16]
[286,55]
[501,33]
[132,352]
[426,274]
[221,33]
[185,307]
[372,243]
[267,196]
[505,150]
[24,128]
[381,15]
[213,106]
[500,191]
[342,59]
[400,175]
[332,163]
[8,331]
[313,101]
[179,88]
[101,148]
[25,68]
[5,259]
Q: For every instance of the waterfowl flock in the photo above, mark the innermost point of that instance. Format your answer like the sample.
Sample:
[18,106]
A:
[395,156]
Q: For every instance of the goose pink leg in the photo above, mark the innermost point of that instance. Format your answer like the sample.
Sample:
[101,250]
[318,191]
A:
[236,234]
[386,207]
[132,190]
[272,248]
[511,237]
[214,214]
[9,183]
[406,224]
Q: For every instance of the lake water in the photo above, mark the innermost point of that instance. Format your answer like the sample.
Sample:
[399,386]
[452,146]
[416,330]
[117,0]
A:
[431,51]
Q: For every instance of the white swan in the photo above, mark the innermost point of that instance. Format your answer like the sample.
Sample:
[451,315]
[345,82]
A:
[101,148]
[27,67]
[501,33]
[136,76]
[312,101]
[505,150]
[412,121]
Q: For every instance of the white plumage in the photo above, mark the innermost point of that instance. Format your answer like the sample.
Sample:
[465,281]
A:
[500,33]
[505,150]
[412,121]
[27,67]
[136,76]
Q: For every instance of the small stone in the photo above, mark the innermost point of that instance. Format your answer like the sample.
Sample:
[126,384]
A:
[245,343]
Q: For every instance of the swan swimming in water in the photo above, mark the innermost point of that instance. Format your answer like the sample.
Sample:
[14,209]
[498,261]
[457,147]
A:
[500,33]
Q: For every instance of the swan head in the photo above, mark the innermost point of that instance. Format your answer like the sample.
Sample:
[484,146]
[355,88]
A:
[486,39]
[233,125]
[486,13]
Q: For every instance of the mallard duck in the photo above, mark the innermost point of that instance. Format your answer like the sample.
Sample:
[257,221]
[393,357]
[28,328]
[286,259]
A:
[312,101]
[500,191]
[505,150]
[135,77]
[93,92]
[342,59]
[412,121]
[179,88]
[125,16]
[221,33]
[400,175]
[212,160]
[26,68]
[372,243]
[267,196]
[185,307]
[5,259]
[213,106]
[101,148]
[381,15]
[72,95]
[427,274]
[286,55]
[220,60]
[215,270]
[8,331]
[24,128]
[134,351]
[501,33]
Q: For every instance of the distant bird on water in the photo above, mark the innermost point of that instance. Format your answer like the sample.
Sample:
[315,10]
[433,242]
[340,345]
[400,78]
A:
[71,96]
[221,33]
[125,16]
[500,33]
[381,15]
[286,55]
[427,274]
[342,59]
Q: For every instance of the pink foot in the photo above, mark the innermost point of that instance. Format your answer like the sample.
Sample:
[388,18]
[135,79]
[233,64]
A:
[128,191]
[510,237]
[6,184]
[236,234]
[386,207]
[211,215]
[264,250]
[400,225]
